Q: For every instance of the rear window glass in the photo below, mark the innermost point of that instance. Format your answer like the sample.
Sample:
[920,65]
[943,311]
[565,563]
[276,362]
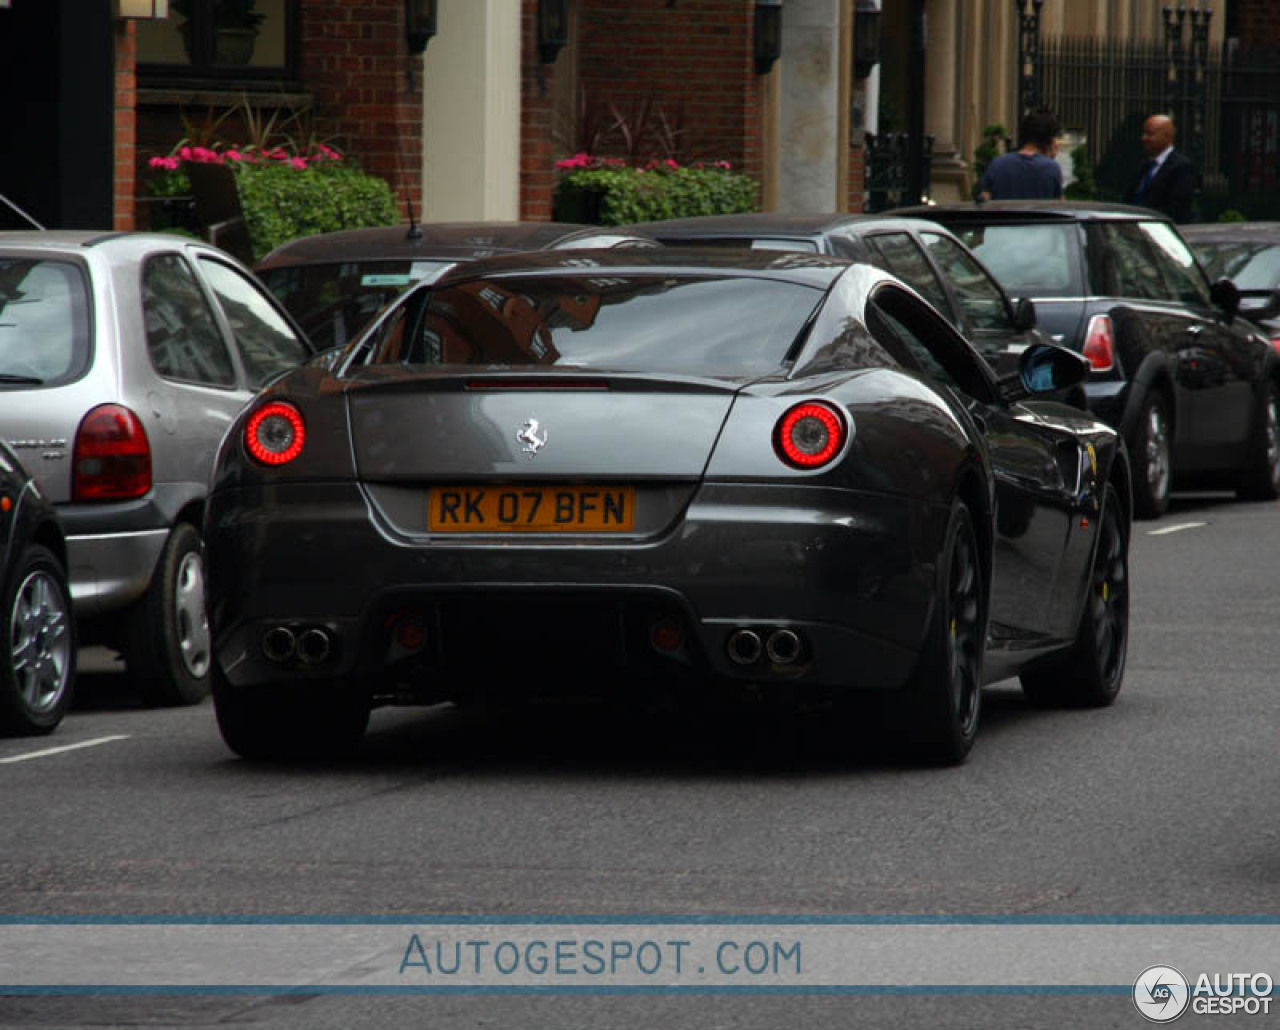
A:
[334,302]
[1028,260]
[1251,265]
[747,243]
[44,322]
[704,326]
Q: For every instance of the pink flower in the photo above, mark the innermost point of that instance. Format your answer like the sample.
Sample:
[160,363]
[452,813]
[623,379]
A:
[723,164]
[299,163]
[670,163]
[233,155]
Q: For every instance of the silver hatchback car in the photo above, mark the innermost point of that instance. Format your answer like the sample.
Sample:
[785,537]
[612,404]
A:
[124,357]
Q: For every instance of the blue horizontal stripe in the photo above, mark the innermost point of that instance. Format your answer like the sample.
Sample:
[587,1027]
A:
[864,989]
[674,920]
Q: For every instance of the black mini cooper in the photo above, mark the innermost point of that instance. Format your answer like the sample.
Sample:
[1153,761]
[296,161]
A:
[1193,388]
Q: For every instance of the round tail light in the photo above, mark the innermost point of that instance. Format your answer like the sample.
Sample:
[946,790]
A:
[810,434]
[274,434]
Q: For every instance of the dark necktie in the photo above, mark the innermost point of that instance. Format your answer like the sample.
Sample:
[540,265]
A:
[1147,176]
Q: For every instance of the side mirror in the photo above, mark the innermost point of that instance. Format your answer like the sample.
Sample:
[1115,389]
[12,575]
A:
[1226,295]
[1046,368]
[1024,314]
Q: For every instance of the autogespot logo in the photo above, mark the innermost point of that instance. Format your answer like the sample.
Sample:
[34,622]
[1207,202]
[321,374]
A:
[1161,993]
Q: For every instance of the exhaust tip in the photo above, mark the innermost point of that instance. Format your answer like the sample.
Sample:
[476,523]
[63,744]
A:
[279,643]
[744,647]
[783,647]
[314,645]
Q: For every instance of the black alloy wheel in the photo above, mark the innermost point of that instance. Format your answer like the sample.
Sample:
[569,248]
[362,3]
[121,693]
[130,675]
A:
[940,709]
[1091,673]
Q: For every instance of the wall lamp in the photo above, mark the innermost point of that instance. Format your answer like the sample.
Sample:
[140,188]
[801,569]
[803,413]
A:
[553,29]
[866,37]
[142,9]
[768,34]
[419,24]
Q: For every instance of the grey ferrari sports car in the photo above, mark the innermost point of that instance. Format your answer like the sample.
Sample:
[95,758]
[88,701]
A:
[666,471]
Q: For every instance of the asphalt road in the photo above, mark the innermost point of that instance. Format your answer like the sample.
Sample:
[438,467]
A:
[1162,804]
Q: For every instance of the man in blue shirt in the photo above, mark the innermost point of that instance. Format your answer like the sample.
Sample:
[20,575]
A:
[1030,172]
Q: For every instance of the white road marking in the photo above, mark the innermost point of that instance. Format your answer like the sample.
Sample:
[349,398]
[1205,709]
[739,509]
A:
[66,747]
[1176,529]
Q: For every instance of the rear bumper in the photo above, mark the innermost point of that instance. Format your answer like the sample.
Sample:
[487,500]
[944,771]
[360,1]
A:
[112,570]
[852,574]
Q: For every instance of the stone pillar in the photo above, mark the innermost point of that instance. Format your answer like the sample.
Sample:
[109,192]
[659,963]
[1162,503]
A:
[471,113]
[809,163]
[943,90]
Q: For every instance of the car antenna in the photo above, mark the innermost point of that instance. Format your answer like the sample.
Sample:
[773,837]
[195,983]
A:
[21,212]
[415,230]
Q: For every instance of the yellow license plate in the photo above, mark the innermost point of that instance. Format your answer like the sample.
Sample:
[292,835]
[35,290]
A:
[531,509]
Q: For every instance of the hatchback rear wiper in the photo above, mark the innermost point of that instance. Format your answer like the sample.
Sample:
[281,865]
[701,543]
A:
[5,377]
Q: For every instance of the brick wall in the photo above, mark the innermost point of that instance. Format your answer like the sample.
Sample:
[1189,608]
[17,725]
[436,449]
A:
[125,125]
[694,58]
[356,64]
[538,150]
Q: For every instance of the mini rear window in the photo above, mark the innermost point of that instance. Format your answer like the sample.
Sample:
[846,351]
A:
[699,326]
[333,302]
[44,322]
[1038,260]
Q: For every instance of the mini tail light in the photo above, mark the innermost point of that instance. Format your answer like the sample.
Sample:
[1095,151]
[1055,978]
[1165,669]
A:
[809,435]
[1099,344]
[1275,343]
[274,434]
[111,460]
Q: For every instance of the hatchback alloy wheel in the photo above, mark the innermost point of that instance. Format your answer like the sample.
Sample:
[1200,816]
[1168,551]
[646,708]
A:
[40,642]
[192,618]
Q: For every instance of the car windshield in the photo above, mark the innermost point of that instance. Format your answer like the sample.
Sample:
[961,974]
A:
[700,326]
[1027,260]
[44,321]
[1252,265]
[333,302]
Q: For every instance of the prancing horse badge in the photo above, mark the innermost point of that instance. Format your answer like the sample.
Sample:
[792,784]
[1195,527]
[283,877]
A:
[533,436]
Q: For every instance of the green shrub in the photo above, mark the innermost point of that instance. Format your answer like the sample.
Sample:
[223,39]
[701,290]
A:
[618,195]
[1232,215]
[1084,185]
[281,203]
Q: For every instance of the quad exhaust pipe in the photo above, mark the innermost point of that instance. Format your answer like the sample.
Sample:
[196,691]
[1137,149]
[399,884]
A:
[781,646]
[311,646]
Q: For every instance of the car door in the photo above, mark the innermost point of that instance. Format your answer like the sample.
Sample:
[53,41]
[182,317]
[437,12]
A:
[264,340]
[199,388]
[1218,363]
[1035,469]
[984,305]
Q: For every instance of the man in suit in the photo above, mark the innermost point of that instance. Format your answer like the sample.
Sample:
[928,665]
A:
[1167,180]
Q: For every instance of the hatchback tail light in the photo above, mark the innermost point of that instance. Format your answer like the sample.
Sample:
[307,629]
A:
[1099,344]
[275,433]
[1275,342]
[111,460]
[809,435]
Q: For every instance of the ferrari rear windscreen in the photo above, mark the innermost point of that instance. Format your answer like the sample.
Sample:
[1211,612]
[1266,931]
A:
[694,325]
